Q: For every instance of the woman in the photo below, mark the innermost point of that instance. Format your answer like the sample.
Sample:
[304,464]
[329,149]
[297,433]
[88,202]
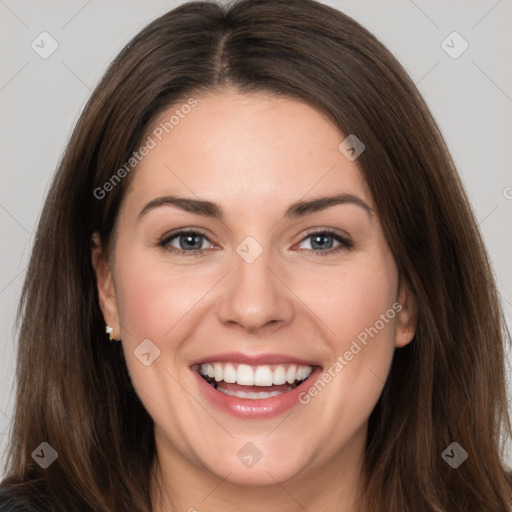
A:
[258,284]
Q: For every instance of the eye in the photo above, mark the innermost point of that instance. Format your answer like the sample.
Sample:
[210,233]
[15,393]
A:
[185,242]
[191,242]
[322,242]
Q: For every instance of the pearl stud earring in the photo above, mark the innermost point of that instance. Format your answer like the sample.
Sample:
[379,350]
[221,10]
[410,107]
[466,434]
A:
[109,330]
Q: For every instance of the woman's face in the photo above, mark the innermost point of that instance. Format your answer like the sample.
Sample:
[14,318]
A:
[275,284]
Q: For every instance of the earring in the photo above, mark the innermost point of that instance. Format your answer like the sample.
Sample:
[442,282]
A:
[109,330]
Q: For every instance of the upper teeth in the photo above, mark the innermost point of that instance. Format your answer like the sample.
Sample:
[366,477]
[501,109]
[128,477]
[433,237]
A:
[246,375]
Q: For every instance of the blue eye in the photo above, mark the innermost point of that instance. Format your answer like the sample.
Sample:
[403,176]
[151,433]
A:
[322,242]
[190,243]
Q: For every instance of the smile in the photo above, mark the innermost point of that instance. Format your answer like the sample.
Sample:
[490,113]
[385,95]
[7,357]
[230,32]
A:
[250,390]
[244,381]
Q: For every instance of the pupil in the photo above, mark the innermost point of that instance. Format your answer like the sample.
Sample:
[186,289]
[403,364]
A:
[190,244]
[194,242]
[320,241]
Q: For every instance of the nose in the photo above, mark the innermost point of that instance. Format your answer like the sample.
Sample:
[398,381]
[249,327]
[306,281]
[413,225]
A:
[255,295]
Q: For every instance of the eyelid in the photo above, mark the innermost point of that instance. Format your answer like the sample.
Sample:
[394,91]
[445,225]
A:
[331,231]
[180,231]
[167,237]
[344,239]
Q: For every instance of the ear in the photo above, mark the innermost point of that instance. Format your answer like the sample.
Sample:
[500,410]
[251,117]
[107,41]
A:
[407,316]
[105,283]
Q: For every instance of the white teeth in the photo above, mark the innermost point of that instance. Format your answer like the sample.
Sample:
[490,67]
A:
[218,372]
[279,376]
[244,375]
[303,372]
[230,374]
[291,374]
[264,375]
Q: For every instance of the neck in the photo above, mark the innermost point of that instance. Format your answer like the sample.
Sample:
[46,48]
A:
[179,485]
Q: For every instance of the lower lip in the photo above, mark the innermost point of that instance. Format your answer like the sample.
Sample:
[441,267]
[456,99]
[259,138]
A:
[255,409]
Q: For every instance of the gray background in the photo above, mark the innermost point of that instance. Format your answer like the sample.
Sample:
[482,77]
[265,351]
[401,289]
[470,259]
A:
[40,100]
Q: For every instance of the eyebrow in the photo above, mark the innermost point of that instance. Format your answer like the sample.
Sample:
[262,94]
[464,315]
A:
[299,209]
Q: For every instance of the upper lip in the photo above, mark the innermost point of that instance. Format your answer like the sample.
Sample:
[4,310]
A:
[253,359]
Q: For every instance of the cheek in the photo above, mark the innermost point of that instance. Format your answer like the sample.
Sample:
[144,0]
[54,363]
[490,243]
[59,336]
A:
[361,310]
[359,306]
[155,297]
[352,300]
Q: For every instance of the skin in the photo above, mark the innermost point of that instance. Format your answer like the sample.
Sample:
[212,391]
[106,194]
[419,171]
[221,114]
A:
[254,155]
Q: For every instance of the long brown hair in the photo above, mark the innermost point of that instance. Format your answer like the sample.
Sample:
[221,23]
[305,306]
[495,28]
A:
[73,388]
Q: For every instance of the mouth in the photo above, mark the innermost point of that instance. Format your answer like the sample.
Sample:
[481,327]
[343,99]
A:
[252,391]
[254,382]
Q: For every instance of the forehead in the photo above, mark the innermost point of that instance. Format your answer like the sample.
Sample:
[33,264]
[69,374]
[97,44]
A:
[244,150]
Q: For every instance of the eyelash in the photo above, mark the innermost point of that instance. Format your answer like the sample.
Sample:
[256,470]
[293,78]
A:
[345,242]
